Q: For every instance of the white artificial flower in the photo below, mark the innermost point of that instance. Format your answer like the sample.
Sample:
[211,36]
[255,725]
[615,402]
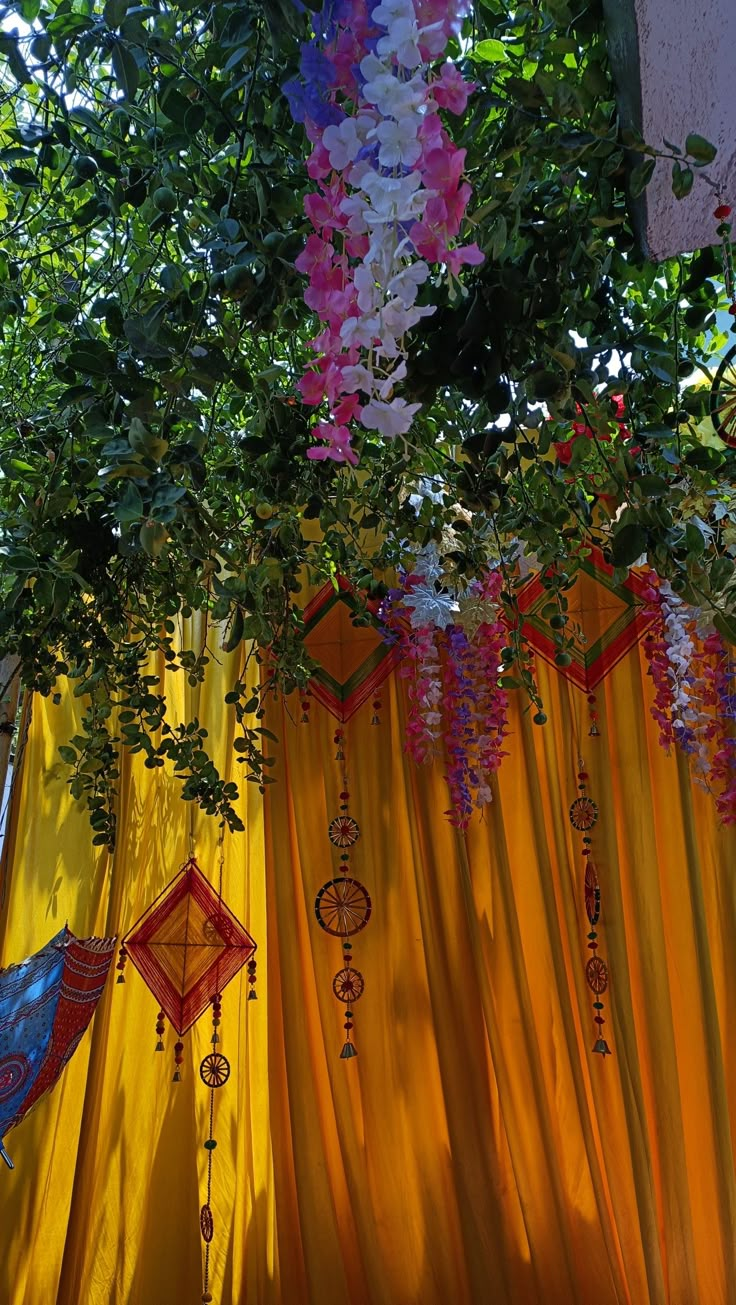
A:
[397,319]
[402,40]
[389,93]
[389,419]
[360,331]
[344,142]
[399,146]
[428,607]
[406,282]
[388,11]
[385,389]
[357,378]
[369,293]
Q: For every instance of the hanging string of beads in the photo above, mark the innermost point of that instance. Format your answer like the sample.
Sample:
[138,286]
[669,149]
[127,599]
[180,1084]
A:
[343,906]
[160,1026]
[377,706]
[593,732]
[252,994]
[122,961]
[583,818]
[306,703]
[722,213]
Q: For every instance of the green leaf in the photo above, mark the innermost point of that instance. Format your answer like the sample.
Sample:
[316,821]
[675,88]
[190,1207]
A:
[629,543]
[153,536]
[721,572]
[726,625]
[125,68]
[130,506]
[235,633]
[640,177]
[68,755]
[651,486]
[682,180]
[490,51]
[114,12]
[16,62]
[700,149]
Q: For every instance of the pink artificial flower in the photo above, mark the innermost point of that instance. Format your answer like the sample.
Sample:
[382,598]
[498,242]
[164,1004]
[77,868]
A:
[318,163]
[337,445]
[323,210]
[316,253]
[451,91]
[347,409]
[443,169]
[431,133]
[464,255]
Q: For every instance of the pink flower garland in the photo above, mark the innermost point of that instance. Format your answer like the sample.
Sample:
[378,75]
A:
[695,701]
[453,688]
[390,201]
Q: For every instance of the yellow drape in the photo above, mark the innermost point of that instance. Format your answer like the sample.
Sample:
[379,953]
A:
[475,1150]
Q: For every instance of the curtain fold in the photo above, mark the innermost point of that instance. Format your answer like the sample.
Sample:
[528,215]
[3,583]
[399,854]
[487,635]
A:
[475,1149]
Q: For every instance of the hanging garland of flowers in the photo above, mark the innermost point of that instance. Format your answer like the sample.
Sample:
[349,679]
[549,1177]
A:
[451,646]
[390,201]
[695,700]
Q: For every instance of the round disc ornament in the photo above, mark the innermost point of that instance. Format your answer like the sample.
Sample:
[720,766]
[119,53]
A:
[344,831]
[348,985]
[342,907]
[206,1223]
[583,813]
[592,894]
[596,973]
[723,399]
[215,1069]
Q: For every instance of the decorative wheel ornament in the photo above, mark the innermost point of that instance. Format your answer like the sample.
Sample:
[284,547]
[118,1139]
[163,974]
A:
[583,816]
[344,831]
[215,1070]
[596,974]
[723,399]
[592,894]
[723,392]
[583,813]
[348,985]
[343,907]
[206,1224]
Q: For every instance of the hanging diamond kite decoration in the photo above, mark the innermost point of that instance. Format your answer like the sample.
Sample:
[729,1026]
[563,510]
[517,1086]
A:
[187,946]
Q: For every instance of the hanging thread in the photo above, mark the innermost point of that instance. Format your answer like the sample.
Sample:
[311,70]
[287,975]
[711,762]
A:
[583,818]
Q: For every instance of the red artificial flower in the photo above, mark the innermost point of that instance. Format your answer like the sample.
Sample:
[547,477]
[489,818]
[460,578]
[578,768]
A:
[580,429]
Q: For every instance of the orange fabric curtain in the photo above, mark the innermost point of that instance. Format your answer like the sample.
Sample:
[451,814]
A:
[475,1149]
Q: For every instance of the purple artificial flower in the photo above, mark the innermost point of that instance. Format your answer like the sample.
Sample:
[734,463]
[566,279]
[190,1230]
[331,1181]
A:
[315,67]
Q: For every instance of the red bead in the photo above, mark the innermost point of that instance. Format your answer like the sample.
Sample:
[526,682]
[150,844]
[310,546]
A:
[732,310]
[348,1025]
[344,797]
[723,211]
